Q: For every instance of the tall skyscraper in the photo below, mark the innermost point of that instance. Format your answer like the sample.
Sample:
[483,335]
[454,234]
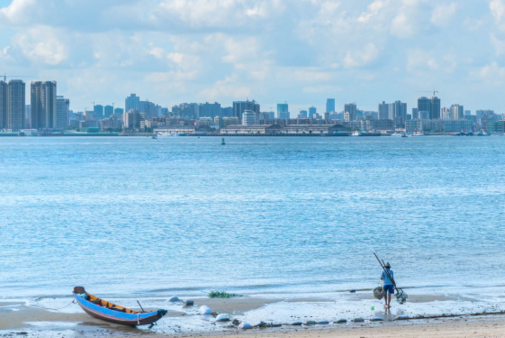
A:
[62,112]
[350,110]
[398,110]
[3,104]
[132,102]
[457,112]
[282,111]
[424,107]
[43,104]
[435,108]
[240,106]
[108,111]
[16,105]
[210,109]
[330,105]
[383,110]
[415,114]
[98,110]
[312,112]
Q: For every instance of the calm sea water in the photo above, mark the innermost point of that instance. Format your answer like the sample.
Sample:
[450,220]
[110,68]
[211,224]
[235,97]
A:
[259,215]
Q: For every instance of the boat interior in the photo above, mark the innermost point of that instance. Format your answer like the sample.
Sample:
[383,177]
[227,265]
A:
[81,292]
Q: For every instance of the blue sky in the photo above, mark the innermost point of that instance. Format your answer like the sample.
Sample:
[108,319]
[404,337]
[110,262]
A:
[300,52]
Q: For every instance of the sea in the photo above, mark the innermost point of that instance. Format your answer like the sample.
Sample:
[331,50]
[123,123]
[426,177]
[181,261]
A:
[258,216]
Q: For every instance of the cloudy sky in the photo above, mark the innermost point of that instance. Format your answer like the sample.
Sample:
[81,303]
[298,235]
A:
[298,51]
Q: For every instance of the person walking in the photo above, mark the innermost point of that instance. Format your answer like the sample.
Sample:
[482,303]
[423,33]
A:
[389,288]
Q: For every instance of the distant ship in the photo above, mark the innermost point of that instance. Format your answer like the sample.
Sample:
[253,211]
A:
[363,133]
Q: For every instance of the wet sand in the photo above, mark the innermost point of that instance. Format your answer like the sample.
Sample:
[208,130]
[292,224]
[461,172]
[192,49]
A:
[20,319]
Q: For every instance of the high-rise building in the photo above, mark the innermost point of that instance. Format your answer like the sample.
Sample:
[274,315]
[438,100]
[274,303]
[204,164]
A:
[16,105]
[98,110]
[424,107]
[435,108]
[209,109]
[457,112]
[132,102]
[415,114]
[240,106]
[303,114]
[28,116]
[312,112]
[398,110]
[330,105]
[108,111]
[62,112]
[43,104]
[188,110]
[282,111]
[350,109]
[3,104]
[118,111]
[383,111]
[248,118]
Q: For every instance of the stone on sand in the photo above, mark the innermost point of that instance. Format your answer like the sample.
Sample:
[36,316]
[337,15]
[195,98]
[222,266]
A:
[245,326]
[204,310]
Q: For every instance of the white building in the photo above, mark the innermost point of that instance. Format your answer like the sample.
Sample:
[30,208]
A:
[248,118]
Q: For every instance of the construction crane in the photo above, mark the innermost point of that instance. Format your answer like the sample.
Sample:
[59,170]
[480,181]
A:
[11,76]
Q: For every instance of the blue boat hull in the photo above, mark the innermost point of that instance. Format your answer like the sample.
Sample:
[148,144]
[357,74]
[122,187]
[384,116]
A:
[118,317]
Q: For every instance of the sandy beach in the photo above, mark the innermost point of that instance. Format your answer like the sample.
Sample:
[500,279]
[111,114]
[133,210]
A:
[26,319]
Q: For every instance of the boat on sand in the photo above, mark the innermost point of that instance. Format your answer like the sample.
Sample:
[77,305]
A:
[110,312]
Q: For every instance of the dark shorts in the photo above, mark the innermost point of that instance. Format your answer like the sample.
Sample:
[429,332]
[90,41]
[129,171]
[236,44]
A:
[390,289]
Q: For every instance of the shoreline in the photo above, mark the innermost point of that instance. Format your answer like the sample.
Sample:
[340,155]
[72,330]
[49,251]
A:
[280,316]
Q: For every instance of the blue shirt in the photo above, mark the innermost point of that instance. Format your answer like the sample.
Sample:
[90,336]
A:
[385,277]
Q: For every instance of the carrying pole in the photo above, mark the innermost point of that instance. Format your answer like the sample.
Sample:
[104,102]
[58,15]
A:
[386,271]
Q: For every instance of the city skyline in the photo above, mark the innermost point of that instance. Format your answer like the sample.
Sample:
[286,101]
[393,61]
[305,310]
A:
[365,51]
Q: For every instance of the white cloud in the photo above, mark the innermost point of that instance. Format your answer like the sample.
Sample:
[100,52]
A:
[362,57]
[491,73]
[497,8]
[421,60]
[41,45]
[227,88]
[499,45]
[443,14]
[189,50]
[372,10]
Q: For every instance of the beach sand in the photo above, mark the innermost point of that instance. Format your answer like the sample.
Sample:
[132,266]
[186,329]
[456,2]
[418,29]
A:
[30,321]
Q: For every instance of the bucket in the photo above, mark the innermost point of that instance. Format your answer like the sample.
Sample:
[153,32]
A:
[379,292]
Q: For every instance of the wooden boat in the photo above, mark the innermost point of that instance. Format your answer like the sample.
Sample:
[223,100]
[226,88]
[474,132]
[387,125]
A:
[110,312]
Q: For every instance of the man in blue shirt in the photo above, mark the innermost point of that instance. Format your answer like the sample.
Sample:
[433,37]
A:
[389,288]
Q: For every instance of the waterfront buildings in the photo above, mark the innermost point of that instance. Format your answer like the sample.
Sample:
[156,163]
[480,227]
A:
[430,107]
[240,106]
[132,118]
[350,111]
[15,105]
[330,105]
[3,104]
[248,118]
[312,112]
[383,111]
[457,112]
[62,112]
[132,102]
[98,110]
[210,109]
[282,111]
[108,111]
[43,104]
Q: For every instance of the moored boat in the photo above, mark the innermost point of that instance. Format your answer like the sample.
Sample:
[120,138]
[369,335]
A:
[110,312]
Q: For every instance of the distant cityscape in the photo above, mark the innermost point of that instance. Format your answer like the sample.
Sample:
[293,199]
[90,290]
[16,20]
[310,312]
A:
[49,114]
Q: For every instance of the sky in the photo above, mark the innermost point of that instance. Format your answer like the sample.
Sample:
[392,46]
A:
[295,51]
